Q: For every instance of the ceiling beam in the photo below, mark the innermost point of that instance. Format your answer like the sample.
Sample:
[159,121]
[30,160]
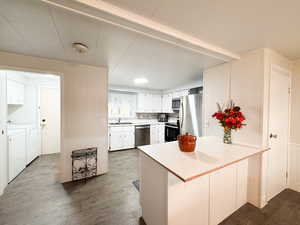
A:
[111,14]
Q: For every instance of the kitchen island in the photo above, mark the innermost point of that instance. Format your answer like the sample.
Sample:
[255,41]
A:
[203,187]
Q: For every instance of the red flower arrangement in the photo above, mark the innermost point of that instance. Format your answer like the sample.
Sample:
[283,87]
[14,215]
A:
[231,118]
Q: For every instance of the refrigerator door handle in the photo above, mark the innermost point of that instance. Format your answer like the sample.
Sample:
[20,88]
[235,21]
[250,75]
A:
[182,116]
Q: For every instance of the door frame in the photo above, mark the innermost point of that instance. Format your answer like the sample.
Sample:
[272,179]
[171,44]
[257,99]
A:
[40,72]
[4,155]
[287,169]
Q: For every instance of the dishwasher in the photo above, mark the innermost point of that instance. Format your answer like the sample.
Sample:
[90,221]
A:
[142,135]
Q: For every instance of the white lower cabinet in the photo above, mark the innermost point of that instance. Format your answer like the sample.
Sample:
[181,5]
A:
[222,194]
[33,147]
[157,133]
[206,200]
[228,191]
[121,137]
[16,152]
[161,133]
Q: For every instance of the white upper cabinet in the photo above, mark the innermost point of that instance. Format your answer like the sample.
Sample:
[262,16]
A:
[15,92]
[167,103]
[148,103]
[156,103]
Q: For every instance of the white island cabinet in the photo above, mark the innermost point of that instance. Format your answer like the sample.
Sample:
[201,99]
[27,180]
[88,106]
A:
[199,188]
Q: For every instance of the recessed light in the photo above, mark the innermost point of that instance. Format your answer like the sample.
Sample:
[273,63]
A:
[140,81]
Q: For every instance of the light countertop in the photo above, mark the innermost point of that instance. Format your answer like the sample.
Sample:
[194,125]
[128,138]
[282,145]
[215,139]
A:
[210,155]
[136,122]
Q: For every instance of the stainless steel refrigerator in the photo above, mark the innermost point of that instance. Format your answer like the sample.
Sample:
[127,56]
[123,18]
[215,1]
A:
[190,114]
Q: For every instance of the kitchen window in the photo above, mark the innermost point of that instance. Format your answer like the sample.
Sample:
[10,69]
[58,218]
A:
[122,104]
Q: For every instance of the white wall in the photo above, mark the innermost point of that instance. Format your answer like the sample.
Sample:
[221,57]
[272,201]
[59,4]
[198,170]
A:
[84,105]
[242,81]
[248,88]
[3,136]
[216,90]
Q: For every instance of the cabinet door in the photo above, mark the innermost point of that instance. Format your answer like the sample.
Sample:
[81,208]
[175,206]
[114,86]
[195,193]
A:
[10,92]
[20,93]
[17,154]
[116,140]
[169,103]
[128,137]
[242,183]
[164,102]
[222,194]
[156,103]
[33,148]
[161,133]
[149,102]
[15,92]
[142,102]
[184,93]
[176,94]
[153,134]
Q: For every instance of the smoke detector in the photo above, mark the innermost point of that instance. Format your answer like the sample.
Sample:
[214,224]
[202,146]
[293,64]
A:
[80,48]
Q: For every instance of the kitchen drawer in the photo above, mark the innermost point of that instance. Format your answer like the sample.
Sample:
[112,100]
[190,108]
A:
[122,128]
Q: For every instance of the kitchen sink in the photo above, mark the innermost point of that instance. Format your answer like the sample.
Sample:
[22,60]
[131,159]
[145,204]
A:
[121,123]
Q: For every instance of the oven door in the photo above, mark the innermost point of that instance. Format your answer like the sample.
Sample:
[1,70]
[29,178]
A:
[171,133]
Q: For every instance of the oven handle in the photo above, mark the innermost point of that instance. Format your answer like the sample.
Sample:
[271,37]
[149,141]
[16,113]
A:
[168,126]
[142,126]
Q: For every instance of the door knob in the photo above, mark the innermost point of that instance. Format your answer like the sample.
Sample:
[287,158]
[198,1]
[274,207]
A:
[273,135]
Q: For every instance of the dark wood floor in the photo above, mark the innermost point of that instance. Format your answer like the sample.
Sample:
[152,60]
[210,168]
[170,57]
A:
[37,198]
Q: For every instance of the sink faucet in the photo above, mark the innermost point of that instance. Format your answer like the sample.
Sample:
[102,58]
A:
[119,120]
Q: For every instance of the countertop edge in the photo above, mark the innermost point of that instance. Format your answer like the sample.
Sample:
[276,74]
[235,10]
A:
[206,172]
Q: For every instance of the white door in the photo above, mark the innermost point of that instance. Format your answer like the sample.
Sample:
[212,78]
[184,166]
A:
[279,131]
[50,119]
[3,137]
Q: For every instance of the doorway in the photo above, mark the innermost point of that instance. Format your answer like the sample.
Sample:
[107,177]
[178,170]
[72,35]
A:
[22,136]
[278,130]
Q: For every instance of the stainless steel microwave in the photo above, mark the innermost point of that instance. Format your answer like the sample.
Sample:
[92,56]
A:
[176,104]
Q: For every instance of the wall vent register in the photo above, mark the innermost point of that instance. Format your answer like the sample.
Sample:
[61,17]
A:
[84,163]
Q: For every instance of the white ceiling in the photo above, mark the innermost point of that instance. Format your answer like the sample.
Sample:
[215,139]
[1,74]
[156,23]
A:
[32,27]
[235,25]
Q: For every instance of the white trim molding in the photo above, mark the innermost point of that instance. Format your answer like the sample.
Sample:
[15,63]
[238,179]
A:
[294,166]
[111,14]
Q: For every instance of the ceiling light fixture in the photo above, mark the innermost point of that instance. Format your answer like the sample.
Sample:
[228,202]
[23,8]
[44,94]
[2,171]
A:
[80,48]
[140,81]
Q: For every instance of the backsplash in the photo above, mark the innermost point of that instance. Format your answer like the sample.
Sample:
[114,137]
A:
[172,116]
[146,115]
